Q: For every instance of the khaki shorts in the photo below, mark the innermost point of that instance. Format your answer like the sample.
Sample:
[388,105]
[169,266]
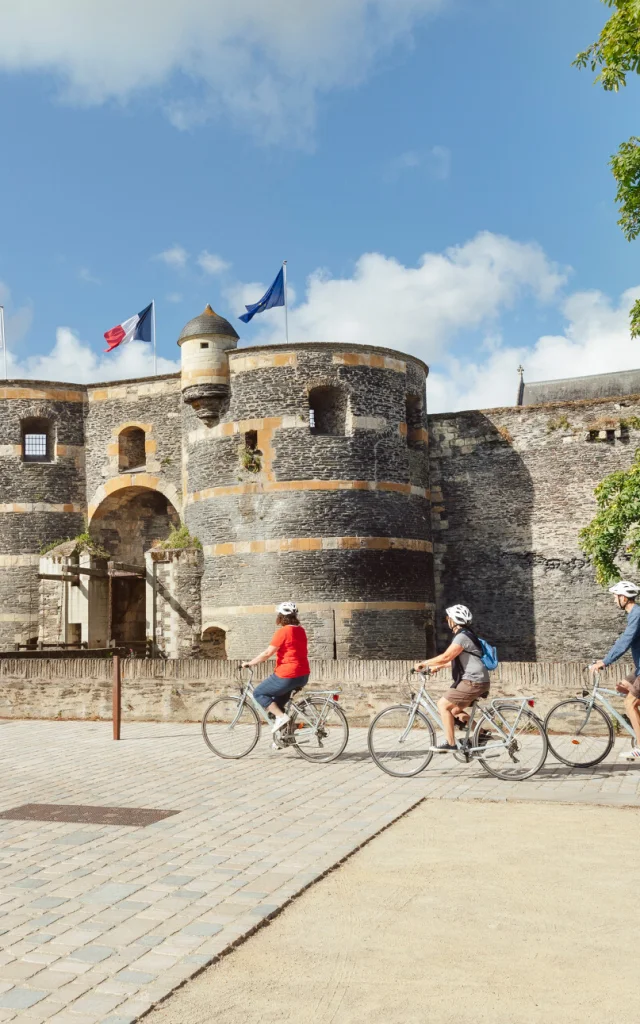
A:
[466,692]
[634,685]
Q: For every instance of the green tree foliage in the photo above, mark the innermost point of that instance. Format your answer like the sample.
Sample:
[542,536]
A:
[615,529]
[614,55]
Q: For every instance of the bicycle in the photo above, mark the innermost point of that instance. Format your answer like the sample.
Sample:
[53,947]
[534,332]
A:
[401,736]
[580,733]
[317,729]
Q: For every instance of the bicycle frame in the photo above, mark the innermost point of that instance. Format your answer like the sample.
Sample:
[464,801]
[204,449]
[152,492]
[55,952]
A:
[247,694]
[491,715]
[597,695]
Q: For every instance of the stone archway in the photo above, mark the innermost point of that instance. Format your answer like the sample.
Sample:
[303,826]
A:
[126,524]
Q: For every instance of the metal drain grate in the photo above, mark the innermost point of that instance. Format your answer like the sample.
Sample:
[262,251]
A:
[84,815]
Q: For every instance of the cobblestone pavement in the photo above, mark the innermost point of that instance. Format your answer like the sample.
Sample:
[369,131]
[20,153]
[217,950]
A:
[100,922]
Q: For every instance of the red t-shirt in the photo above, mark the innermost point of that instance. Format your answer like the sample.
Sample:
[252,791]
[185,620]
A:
[291,654]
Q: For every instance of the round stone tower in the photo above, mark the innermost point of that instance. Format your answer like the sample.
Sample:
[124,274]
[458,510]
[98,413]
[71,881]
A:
[312,486]
[204,343]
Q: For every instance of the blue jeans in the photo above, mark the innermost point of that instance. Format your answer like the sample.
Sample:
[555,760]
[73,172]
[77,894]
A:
[276,690]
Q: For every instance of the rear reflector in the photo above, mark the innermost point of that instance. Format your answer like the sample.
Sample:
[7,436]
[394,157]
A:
[531,703]
[336,696]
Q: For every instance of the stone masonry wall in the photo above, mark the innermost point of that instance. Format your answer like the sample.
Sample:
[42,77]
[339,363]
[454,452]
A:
[340,524]
[180,690]
[153,405]
[174,618]
[40,502]
[511,489]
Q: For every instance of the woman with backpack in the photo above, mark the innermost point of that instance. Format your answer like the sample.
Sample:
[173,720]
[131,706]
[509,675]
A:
[470,674]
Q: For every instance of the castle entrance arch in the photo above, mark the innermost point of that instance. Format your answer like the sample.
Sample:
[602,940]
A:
[126,524]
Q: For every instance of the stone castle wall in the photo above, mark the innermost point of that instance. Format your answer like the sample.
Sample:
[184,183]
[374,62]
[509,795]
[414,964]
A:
[338,522]
[368,529]
[39,502]
[511,489]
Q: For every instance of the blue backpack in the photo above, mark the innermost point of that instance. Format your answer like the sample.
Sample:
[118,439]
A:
[489,655]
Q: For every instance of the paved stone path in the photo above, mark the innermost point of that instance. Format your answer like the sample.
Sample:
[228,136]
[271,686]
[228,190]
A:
[99,922]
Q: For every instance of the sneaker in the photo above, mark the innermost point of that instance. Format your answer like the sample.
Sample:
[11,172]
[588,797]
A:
[444,748]
[631,755]
[279,723]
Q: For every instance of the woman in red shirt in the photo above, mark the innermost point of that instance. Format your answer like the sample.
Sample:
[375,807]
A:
[289,644]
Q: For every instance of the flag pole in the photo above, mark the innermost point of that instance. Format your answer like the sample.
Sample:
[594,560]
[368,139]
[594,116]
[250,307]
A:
[153,331]
[3,341]
[286,305]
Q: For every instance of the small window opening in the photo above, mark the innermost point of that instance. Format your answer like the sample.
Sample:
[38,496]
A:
[415,437]
[251,440]
[214,643]
[204,344]
[131,449]
[328,411]
[36,441]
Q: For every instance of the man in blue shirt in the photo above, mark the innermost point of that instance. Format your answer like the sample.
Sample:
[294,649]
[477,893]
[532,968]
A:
[625,594]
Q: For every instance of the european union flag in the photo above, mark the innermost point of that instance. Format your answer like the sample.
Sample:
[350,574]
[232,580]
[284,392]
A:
[274,296]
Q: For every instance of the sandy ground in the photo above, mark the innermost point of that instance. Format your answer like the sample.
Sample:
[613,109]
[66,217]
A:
[459,912]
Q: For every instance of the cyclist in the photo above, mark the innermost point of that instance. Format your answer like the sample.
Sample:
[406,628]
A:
[625,594]
[470,677]
[289,644]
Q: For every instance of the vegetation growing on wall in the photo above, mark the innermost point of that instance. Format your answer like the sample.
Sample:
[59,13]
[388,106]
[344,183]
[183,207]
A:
[615,529]
[561,423]
[180,538]
[83,542]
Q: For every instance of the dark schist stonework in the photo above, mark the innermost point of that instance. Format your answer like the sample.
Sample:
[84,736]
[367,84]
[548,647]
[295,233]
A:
[511,489]
[330,489]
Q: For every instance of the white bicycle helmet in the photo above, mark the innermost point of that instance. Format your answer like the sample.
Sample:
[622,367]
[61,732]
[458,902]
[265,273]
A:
[625,589]
[287,608]
[460,614]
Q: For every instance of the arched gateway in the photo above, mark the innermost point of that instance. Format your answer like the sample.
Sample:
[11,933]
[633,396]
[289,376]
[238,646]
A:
[127,524]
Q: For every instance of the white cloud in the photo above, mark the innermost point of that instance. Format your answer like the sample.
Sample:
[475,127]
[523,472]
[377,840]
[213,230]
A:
[264,63]
[212,264]
[176,257]
[74,361]
[595,340]
[439,162]
[85,275]
[427,310]
[435,161]
[174,297]
[419,309]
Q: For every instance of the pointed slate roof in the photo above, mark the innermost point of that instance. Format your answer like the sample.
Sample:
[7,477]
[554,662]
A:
[208,323]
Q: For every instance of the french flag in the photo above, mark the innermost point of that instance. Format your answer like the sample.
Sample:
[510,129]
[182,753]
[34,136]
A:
[136,328]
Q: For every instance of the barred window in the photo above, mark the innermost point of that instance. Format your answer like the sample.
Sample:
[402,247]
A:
[36,441]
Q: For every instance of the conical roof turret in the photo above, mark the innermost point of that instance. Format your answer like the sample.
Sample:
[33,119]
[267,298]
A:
[209,323]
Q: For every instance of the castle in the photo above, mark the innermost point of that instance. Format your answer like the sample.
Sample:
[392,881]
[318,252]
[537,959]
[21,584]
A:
[309,472]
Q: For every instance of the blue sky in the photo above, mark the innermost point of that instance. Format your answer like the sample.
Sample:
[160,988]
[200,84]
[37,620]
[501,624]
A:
[179,152]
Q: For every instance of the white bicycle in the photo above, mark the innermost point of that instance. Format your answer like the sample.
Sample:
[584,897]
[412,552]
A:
[505,736]
[317,728]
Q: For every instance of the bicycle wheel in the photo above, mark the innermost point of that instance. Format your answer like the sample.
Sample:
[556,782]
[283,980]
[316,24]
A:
[524,753]
[230,727]
[398,749]
[579,735]
[321,731]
